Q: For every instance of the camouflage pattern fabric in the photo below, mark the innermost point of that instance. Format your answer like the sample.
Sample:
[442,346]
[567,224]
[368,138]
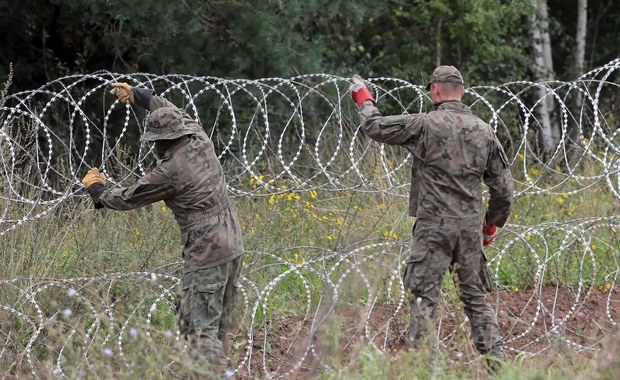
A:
[458,248]
[167,123]
[191,182]
[445,74]
[454,152]
[452,149]
[205,310]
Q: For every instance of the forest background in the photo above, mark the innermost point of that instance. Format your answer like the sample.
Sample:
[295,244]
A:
[490,41]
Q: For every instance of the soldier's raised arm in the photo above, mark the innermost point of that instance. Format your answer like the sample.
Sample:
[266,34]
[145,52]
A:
[142,97]
[404,130]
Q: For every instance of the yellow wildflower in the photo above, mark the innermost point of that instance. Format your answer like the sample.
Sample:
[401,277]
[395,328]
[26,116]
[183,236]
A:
[291,195]
[255,181]
[389,234]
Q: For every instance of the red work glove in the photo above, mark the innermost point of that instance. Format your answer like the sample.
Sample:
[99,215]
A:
[489,233]
[359,91]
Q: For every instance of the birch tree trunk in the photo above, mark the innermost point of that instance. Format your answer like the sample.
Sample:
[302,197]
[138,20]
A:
[539,30]
[580,53]
[438,42]
[580,38]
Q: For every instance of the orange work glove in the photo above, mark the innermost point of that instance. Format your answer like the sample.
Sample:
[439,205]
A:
[93,176]
[123,92]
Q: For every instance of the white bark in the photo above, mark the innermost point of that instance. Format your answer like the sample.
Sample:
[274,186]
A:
[539,29]
[580,50]
[580,53]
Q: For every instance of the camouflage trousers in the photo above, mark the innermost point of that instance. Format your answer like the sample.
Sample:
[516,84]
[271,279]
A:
[204,310]
[436,248]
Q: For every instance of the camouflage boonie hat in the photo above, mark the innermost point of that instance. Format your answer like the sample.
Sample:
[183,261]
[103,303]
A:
[445,74]
[165,123]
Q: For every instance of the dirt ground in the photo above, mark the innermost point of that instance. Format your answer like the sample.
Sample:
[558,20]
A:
[534,322]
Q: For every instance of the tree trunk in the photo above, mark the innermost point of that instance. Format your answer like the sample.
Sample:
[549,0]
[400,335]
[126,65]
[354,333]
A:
[539,30]
[580,53]
[580,39]
[438,43]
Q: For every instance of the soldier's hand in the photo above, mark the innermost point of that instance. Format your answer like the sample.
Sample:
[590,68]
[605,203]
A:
[93,176]
[123,92]
[358,83]
[359,90]
[489,233]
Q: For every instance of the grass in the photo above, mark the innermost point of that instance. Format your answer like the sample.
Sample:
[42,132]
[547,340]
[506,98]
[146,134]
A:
[291,239]
[89,294]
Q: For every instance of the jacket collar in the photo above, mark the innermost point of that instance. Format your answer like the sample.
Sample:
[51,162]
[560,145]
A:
[453,105]
[178,145]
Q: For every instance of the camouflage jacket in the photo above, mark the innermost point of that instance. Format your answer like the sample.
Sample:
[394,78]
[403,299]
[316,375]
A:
[453,152]
[191,182]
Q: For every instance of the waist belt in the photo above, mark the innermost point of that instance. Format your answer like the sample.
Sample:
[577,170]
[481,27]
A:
[467,220]
[215,208]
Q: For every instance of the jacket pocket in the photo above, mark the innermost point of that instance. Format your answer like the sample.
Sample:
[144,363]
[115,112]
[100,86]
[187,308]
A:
[415,278]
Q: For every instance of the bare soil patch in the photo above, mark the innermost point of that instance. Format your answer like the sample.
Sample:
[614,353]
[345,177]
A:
[534,322]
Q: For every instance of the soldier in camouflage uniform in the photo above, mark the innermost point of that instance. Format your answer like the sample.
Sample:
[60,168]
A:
[189,179]
[453,151]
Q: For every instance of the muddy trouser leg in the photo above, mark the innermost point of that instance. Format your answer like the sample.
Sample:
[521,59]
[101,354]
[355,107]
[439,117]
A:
[200,312]
[429,260]
[422,308]
[227,321]
[474,282]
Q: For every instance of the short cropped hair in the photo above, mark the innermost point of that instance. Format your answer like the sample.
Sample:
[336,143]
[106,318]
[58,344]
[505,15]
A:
[449,88]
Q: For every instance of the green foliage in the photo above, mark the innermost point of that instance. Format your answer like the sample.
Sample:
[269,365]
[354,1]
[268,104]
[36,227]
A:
[489,40]
[75,241]
[486,39]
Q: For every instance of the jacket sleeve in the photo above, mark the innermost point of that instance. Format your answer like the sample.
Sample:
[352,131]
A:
[153,187]
[142,96]
[498,178]
[147,99]
[404,130]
